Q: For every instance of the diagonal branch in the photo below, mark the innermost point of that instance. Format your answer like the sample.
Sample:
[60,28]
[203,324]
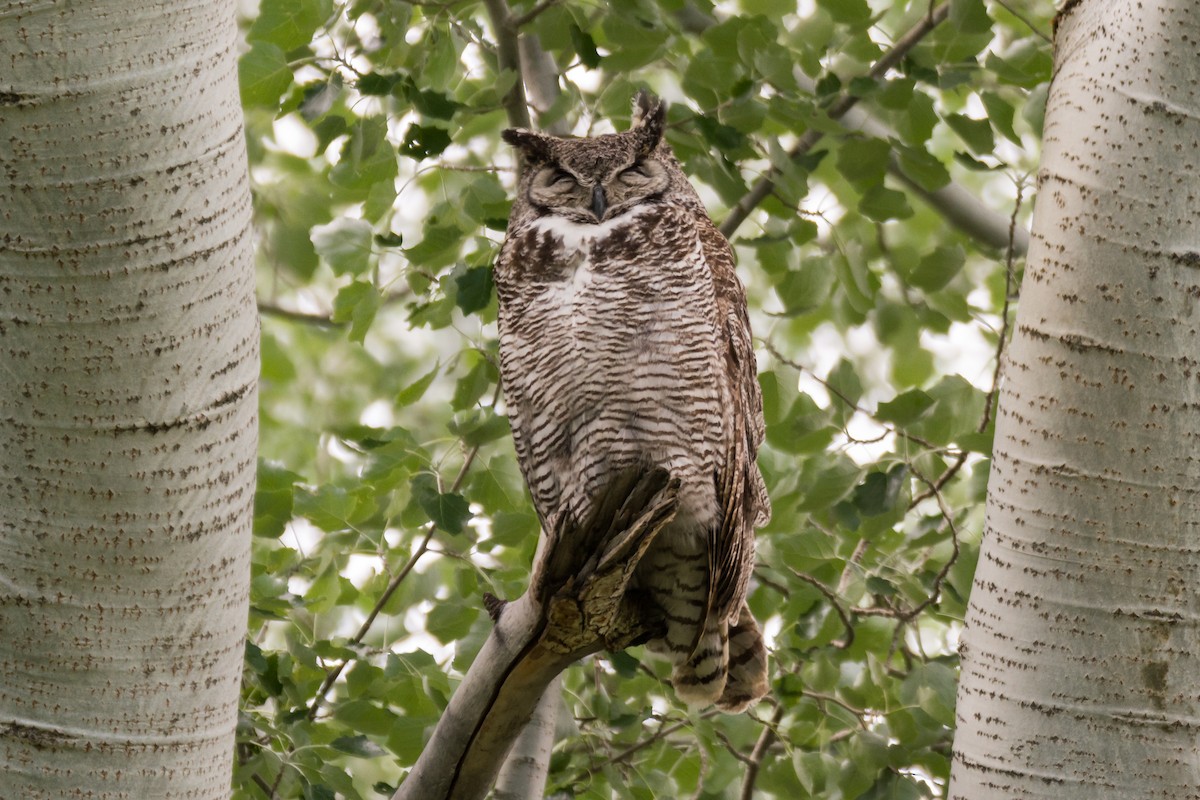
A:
[575,606]
[766,184]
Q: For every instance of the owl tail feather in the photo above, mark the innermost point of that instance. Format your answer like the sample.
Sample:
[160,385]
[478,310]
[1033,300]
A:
[699,679]
[746,669]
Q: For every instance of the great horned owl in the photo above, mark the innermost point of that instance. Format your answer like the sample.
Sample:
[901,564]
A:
[624,340]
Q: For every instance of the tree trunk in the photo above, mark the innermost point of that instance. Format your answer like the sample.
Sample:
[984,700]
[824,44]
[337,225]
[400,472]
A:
[128,366]
[1081,658]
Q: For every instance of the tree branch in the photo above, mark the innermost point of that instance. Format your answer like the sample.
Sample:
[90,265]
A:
[508,52]
[766,184]
[533,13]
[541,81]
[575,606]
[523,776]
[959,207]
[754,762]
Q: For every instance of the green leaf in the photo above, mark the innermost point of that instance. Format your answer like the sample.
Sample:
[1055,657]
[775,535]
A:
[904,408]
[479,426]
[585,47]
[805,288]
[433,103]
[879,492]
[931,686]
[416,390]
[330,508]
[478,379]
[1001,112]
[924,168]
[438,247]
[845,385]
[449,512]
[407,739]
[864,162]
[345,244]
[378,84]
[449,622]
[288,23]
[958,407]
[826,482]
[938,268]
[263,75]
[367,717]
[512,528]
[881,204]
[424,141]
[916,122]
[323,593]
[474,289]
[807,428]
[977,133]
[848,12]
[357,303]
[1027,63]
[273,499]
[969,16]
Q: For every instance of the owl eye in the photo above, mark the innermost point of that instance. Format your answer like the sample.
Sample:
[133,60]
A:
[638,170]
[561,178]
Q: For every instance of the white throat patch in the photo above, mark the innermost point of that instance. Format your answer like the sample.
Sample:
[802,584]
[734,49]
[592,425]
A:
[575,235]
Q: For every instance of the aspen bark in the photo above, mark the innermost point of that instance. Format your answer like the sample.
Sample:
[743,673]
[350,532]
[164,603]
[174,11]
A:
[1081,658]
[128,369]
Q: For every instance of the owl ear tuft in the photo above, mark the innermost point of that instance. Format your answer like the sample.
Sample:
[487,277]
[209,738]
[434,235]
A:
[534,146]
[649,117]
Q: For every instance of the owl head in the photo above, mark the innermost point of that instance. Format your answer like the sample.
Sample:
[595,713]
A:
[590,180]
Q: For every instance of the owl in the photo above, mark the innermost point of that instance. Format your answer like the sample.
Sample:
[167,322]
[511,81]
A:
[624,341]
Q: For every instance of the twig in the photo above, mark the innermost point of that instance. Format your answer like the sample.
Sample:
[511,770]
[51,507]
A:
[634,748]
[911,614]
[857,713]
[754,762]
[1028,23]
[316,320]
[993,395]
[833,390]
[833,601]
[394,584]
[533,13]
[766,184]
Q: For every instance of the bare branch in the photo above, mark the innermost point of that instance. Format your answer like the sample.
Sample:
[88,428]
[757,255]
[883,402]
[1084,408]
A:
[508,52]
[766,184]
[523,776]
[833,601]
[541,81]
[754,762]
[316,320]
[575,606]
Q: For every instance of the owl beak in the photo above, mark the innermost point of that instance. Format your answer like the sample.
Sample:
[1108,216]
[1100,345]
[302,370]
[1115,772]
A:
[599,202]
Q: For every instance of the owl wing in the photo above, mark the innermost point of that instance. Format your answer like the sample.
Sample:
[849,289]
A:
[741,492]
[517,368]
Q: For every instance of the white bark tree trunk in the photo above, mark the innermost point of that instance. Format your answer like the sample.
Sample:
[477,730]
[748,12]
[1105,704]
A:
[128,364]
[1081,659]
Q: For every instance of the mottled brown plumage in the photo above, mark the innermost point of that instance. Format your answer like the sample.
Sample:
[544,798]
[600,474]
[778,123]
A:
[624,340]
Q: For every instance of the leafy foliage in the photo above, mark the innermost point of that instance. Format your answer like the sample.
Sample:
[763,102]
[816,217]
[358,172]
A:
[389,498]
